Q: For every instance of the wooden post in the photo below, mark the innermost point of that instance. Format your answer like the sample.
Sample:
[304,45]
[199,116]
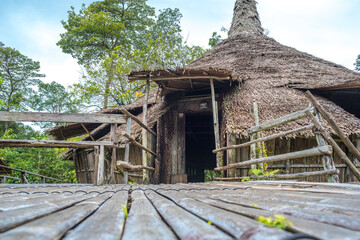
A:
[96,163]
[348,175]
[216,124]
[144,132]
[158,157]
[231,153]
[23,178]
[331,141]
[113,128]
[84,156]
[253,153]
[101,165]
[327,160]
[127,148]
[287,162]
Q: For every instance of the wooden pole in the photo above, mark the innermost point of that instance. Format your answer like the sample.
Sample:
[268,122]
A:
[144,133]
[113,128]
[127,149]
[331,141]
[327,160]
[333,124]
[101,165]
[158,158]
[216,124]
[96,163]
[87,131]
[137,120]
[279,121]
[285,176]
[254,136]
[294,155]
[133,168]
[133,141]
[264,139]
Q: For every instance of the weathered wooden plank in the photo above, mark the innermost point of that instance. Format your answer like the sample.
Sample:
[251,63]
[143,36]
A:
[10,219]
[154,78]
[183,223]
[55,143]
[61,117]
[267,138]
[110,214]
[132,168]
[312,228]
[308,152]
[55,225]
[31,173]
[144,222]
[137,120]
[238,226]
[336,147]
[280,121]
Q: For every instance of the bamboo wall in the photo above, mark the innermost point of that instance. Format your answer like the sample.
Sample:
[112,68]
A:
[281,146]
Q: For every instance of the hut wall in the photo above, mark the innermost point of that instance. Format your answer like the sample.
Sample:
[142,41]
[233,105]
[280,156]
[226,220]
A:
[281,146]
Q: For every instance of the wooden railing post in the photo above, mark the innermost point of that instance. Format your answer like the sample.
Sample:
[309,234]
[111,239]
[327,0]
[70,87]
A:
[127,148]
[327,160]
[101,164]
[144,133]
[113,152]
[219,155]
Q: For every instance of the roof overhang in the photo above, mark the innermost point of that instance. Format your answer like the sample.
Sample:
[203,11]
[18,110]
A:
[183,79]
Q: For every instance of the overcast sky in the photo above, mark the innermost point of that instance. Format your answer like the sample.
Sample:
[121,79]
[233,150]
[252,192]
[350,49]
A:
[325,28]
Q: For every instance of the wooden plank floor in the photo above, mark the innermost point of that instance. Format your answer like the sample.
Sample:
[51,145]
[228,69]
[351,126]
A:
[219,210]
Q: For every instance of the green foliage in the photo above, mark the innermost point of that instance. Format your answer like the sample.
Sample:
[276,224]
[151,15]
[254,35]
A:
[279,221]
[43,161]
[215,39]
[357,63]
[257,172]
[210,175]
[111,38]
[18,74]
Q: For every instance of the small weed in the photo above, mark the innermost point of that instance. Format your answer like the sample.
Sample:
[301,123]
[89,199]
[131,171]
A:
[125,211]
[255,205]
[280,221]
[209,222]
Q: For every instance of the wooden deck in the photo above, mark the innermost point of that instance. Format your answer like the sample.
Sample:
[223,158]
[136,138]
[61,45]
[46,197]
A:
[220,210]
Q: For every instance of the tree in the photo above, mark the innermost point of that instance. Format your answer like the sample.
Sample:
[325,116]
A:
[215,39]
[53,97]
[357,63]
[111,38]
[19,73]
[96,31]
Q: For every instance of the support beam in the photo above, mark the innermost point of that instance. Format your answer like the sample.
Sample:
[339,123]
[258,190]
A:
[55,143]
[137,120]
[96,163]
[219,161]
[278,135]
[279,121]
[127,149]
[133,141]
[86,130]
[285,176]
[101,166]
[125,166]
[61,117]
[333,124]
[336,147]
[144,133]
[294,155]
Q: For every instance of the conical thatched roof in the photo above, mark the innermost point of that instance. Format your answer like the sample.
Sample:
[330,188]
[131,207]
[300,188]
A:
[271,74]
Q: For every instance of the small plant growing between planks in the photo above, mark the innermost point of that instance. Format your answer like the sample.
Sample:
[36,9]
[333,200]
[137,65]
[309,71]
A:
[279,221]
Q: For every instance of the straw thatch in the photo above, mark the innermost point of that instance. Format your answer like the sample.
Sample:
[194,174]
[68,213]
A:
[246,19]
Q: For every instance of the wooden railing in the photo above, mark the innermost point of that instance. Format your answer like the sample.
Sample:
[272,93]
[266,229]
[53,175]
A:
[24,179]
[325,142]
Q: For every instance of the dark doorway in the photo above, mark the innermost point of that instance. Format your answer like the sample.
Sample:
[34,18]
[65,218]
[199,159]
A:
[200,141]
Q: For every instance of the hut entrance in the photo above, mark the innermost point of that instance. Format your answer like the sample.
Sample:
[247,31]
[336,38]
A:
[199,139]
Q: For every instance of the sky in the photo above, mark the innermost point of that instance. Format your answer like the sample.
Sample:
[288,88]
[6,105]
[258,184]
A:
[328,29]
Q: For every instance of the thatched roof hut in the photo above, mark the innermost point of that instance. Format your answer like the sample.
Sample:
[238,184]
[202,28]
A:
[247,67]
